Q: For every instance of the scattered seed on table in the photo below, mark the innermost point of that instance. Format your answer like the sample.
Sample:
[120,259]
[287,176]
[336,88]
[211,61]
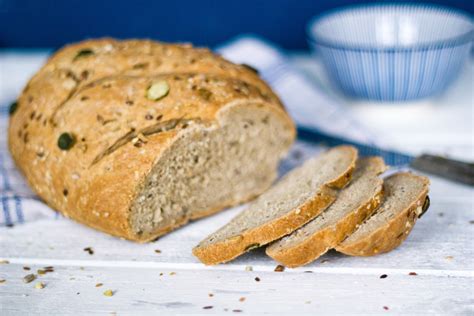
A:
[383,276]
[279,268]
[28,278]
[257,279]
[412,273]
[242,299]
[108,293]
[3,280]
[207,307]
[248,268]
[161,273]
[26,268]
[237,311]
[4,262]
[41,272]
[386,308]
[172,273]
[39,285]
[449,258]
[89,250]
[99,284]
[211,295]
[308,271]
[324,260]
[471,222]
[157,250]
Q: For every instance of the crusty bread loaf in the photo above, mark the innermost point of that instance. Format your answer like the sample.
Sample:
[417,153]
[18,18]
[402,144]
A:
[353,205]
[135,138]
[405,198]
[293,201]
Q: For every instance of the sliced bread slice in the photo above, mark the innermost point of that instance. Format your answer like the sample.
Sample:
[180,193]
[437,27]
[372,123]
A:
[293,201]
[405,199]
[353,205]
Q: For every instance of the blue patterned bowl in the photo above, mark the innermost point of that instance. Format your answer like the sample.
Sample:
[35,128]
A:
[392,52]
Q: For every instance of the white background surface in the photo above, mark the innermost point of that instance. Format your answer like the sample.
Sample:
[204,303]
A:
[439,250]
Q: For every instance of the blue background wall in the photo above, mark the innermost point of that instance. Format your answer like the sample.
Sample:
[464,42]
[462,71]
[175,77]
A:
[49,23]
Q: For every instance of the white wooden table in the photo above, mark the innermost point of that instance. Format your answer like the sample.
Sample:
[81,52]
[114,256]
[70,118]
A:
[439,250]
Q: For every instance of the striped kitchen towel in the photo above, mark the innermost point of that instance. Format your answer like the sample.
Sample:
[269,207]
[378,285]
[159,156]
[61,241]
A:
[307,103]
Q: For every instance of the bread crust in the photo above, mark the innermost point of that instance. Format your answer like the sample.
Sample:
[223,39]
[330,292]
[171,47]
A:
[230,248]
[393,233]
[100,98]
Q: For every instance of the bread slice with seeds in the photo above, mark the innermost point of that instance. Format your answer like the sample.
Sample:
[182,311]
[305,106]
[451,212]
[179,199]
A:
[353,205]
[297,198]
[406,198]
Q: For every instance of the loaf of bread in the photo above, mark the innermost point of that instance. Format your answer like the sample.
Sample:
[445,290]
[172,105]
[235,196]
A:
[135,138]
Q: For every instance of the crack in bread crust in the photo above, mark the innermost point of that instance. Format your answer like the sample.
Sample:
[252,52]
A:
[157,128]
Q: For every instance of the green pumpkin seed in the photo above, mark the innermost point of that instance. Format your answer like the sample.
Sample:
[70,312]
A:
[250,68]
[158,90]
[425,207]
[66,141]
[13,108]
[252,246]
[83,53]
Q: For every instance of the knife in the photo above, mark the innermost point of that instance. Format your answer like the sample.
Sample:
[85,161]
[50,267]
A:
[454,170]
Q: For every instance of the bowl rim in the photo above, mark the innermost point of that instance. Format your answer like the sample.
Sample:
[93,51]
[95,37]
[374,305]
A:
[437,44]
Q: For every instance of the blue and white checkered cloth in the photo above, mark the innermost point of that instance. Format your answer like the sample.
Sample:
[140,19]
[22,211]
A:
[307,103]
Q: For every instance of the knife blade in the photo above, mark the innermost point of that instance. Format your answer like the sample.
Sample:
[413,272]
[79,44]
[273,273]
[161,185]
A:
[454,170]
